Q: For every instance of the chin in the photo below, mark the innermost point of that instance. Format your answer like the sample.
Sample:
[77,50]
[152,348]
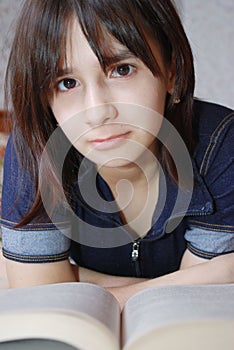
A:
[115,163]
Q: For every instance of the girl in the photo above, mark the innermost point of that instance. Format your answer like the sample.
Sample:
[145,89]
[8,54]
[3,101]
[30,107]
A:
[112,166]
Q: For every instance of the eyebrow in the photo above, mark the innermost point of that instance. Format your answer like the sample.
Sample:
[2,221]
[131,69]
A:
[114,58]
[63,71]
[119,56]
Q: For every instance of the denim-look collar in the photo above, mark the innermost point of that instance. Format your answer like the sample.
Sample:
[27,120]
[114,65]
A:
[168,213]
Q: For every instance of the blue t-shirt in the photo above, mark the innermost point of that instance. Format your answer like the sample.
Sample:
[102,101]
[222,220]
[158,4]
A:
[93,234]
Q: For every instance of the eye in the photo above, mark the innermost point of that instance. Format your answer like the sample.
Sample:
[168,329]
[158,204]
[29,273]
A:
[123,70]
[68,84]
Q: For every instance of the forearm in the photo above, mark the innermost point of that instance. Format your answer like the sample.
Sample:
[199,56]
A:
[3,275]
[27,275]
[106,281]
[219,270]
[192,270]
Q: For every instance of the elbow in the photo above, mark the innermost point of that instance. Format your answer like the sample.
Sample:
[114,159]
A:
[225,265]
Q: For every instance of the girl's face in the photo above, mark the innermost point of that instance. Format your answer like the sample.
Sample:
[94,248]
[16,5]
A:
[111,118]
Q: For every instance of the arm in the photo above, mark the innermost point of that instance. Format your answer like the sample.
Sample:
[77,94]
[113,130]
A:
[41,240]
[3,274]
[27,275]
[219,270]
[193,270]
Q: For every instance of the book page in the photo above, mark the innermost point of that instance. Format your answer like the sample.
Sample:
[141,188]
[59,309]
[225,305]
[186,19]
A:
[187,317]
[78,312]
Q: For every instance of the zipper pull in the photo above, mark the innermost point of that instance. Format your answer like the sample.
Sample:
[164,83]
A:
[135,251]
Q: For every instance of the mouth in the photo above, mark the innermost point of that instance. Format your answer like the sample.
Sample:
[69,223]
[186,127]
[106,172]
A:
[110,141]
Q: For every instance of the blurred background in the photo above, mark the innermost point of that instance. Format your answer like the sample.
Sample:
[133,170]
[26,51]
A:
[210,29]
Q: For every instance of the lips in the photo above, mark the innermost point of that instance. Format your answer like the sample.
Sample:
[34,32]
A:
[105,139]
[109,141]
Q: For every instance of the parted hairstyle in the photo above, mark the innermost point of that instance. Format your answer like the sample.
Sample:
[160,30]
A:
[39,47]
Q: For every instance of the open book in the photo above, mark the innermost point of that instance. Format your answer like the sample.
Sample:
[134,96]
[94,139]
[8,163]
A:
[86,317]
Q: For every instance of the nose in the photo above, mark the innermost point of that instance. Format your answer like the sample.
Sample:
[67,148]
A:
[99,108]
[100,114]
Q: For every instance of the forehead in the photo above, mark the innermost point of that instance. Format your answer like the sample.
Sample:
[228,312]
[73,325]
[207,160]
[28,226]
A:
[106,44]
[104,47]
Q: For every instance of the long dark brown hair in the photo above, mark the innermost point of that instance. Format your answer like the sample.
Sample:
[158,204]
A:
[40,45]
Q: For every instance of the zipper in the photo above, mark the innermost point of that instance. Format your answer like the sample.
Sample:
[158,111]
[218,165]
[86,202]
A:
[135,256]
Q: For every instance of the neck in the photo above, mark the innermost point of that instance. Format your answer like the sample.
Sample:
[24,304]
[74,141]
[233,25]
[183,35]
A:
[136,173]
[135,189]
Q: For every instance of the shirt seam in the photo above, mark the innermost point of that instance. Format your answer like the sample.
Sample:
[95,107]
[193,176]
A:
[213,142]
[202,254]
[201,225]
[32,227]
[35,258]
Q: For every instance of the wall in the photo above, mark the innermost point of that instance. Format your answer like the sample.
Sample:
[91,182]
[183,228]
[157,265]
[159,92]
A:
[209,25]
[8,11]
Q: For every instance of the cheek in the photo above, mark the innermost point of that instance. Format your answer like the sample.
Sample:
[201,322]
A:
[68,120]
[156,99]
[58,111]
[147,138]
[153,94]
[63,109]
[143,119]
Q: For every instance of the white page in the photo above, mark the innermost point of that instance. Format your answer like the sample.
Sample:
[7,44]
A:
[166,306]
[91,304]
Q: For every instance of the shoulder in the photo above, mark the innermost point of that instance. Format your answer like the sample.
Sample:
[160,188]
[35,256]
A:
[18,188]
[210,116]
[214,126]
[210,233]
[15,175]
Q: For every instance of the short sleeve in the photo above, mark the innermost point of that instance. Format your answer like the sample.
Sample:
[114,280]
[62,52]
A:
[209,244]
[213,234]
[37,242]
